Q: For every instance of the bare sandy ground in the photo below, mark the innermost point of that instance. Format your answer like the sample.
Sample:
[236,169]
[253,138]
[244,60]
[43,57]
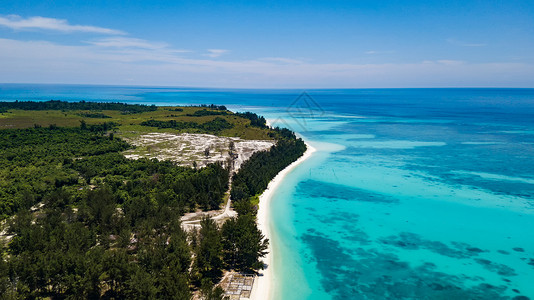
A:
[186,148]
[264,283]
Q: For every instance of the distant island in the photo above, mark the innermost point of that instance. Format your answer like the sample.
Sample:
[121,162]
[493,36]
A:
[127,201]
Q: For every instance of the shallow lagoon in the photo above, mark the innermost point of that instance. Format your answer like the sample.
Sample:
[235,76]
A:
[411,208]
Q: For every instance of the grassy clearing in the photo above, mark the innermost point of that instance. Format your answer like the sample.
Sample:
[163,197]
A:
[129,123]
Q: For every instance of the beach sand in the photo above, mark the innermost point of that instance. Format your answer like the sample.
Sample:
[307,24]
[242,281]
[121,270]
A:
[263,283]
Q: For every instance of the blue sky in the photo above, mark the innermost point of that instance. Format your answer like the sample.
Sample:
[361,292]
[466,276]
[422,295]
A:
[264,44]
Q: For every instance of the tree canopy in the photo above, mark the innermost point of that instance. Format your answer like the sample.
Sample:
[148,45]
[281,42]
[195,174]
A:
[214,126]
[84,222]
[82,105]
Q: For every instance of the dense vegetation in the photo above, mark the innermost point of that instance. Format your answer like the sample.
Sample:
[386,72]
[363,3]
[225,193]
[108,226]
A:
[35,162]
[109,227]
[83,105]
[84,222]
[255,120]
[213,106]
[256,173]
[32,161]
[205,112]
[214,126]
[95,115]
[97,251]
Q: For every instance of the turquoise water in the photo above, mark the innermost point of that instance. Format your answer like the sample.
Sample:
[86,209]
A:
[412,193]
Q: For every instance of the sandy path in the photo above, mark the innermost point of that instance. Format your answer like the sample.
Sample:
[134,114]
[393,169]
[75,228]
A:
[263,284]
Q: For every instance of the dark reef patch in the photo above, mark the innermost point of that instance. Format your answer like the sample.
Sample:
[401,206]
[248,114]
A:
[354,234]
[334,192]
[412,241]
[338,217]
[500,269]
[475,249]
[369,274]
[348,223]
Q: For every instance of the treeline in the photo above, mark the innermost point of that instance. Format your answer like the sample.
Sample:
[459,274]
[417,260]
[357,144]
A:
[256,173]
[95,115]
[205,112]
[214,126]
[255,120]
[213,106]
[82,105]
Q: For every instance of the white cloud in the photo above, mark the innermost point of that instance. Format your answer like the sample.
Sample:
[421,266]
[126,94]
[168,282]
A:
[282,60]
[123,42]
[133,43]
[213,53]
[450,62]
[33,23]
[134,62]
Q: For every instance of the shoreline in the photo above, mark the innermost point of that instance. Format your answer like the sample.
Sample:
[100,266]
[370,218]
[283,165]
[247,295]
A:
[262,288]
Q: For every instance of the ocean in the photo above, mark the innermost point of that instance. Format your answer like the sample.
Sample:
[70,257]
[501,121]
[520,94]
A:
[411,194]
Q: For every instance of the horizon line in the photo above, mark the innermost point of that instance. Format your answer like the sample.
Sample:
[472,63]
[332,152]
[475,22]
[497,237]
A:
[261,88]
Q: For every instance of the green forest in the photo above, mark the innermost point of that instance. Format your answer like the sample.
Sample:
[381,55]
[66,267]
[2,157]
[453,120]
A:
[80,221]
[256,173]
[82,105]
[214,126]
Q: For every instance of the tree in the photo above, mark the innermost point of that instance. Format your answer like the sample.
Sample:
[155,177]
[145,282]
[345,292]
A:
[208,255]
[173,285]
[141,285]
[211,292]
[101,207]
[116,271]
[5,282]
[243,243]
[244,206]
[231,147]
[239,192]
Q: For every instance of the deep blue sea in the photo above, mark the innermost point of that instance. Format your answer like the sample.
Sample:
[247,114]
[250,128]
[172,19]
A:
[412,193]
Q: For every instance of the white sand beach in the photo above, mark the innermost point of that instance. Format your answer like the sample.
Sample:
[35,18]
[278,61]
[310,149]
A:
[263,284]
